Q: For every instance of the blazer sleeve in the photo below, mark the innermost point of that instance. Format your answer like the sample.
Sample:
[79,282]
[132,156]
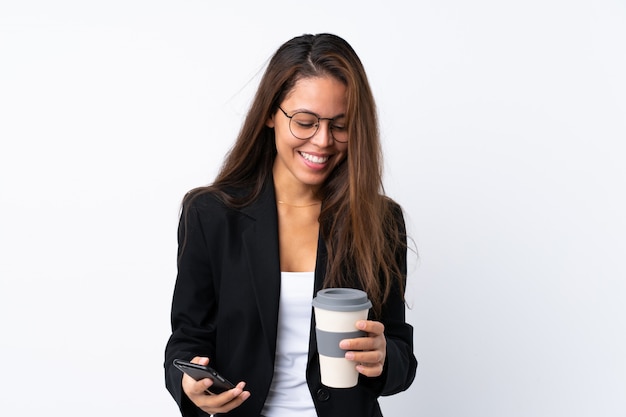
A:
[194,304]
[400,362]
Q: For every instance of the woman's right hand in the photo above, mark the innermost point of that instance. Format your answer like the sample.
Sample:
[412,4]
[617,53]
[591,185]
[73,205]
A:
[212,404]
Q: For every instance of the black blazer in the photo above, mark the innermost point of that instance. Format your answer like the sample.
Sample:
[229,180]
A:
[225,306]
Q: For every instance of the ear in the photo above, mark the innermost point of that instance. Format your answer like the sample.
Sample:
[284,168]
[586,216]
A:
[270,122]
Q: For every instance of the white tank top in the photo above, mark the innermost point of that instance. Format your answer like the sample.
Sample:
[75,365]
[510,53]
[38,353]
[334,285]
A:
[289,394]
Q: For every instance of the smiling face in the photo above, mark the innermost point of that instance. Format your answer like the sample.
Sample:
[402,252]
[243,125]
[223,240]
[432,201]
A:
[307,163]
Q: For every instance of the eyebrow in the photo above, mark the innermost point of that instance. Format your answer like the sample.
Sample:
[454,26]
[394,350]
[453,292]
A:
[301,110]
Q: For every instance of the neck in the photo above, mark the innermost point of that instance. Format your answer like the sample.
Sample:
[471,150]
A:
[292,192]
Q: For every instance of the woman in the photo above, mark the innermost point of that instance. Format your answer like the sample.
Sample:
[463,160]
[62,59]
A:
[296,207]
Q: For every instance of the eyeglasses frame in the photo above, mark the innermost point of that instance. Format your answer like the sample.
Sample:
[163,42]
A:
[319,119]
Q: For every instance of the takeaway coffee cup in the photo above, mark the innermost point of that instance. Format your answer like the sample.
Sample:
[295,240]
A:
[336,312]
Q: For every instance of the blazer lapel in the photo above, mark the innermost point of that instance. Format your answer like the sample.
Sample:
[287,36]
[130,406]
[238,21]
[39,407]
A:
[260,246]
[320,273]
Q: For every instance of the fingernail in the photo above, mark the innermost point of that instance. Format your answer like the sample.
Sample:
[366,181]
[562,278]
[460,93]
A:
[360,324]
[344,344]
[349,356]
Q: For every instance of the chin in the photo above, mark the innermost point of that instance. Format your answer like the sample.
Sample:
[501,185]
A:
[313,180]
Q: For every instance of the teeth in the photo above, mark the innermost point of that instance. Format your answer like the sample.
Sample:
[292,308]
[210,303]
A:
[314,159]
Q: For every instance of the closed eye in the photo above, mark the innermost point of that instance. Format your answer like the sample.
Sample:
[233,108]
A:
[306,124]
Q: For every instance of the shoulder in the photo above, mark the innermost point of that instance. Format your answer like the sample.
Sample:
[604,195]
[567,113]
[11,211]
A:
[202,200]
[219,208]
[209,198]
[204,209]
[207,216]
[393,208]
[392,204]
[393,219]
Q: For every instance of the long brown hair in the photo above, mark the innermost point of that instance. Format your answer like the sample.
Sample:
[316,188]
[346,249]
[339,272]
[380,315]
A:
[358,224]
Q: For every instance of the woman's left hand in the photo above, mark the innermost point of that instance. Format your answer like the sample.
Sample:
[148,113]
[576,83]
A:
[369,352]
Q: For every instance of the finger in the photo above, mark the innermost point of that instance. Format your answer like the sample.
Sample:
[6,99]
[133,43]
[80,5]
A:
[374,330]
[226,401]
[371,357]
[195,388]
[361,343]
[370,326]
[200,360]
[370,369]
[364,343]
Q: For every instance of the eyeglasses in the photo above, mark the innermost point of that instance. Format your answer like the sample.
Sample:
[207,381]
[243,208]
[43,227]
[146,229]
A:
[304,125]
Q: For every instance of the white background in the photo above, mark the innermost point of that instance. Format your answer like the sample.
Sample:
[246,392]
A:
[504,132]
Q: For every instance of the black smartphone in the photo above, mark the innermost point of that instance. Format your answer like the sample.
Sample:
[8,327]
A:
[198,372]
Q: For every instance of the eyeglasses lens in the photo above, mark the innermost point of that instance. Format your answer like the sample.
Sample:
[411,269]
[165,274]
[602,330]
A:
[304,125]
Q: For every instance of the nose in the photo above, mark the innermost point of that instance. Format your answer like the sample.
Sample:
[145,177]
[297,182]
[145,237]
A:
[323,137]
